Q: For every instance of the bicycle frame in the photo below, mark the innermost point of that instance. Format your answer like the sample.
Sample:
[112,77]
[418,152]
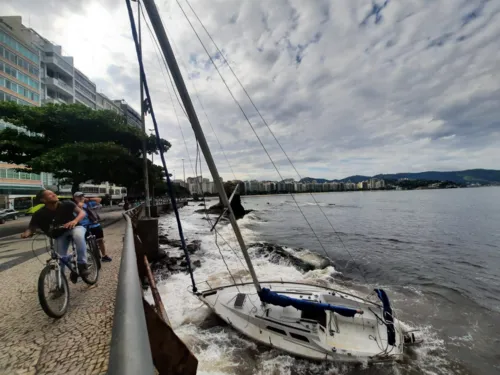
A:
[54,256]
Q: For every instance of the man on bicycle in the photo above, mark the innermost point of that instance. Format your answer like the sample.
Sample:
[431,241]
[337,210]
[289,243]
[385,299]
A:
[91,220]
[61,214]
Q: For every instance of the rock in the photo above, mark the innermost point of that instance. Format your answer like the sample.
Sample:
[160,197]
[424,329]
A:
[194,246]
[174,260]
[301,259]
[174,243]
[175,268]
[217,209]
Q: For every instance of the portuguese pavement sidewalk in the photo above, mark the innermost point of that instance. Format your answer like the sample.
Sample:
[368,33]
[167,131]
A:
[30,341]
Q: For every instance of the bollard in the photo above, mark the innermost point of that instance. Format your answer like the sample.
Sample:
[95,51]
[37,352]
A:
[154,211]
[147,230]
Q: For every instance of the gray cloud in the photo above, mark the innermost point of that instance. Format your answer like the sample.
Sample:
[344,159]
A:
[348,87]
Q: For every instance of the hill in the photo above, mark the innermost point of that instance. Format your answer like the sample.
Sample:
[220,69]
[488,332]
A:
[469,176]
[481,176]
[355,179]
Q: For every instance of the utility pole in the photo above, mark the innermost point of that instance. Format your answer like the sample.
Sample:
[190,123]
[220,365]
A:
[144,148]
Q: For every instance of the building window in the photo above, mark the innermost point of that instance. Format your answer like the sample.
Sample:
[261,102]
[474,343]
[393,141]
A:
[18,75]
[3,173]
[20,90]
[85,101]
[84,90]
[11,173]
[15,45]
[85,82]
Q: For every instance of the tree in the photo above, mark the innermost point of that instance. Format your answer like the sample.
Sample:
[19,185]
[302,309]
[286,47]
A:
[75,143]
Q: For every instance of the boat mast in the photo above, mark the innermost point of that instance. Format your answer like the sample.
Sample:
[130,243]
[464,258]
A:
[195,124]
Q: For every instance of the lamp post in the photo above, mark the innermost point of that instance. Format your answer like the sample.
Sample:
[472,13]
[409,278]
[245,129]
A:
[184,171]
[143,124]
[152,154]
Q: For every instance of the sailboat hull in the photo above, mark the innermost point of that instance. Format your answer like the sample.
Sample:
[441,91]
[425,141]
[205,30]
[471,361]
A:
[328,336]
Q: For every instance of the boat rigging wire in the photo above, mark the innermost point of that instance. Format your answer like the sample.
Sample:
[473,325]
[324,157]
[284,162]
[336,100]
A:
[268,127]
[195,170]
[159,144]
[253,129]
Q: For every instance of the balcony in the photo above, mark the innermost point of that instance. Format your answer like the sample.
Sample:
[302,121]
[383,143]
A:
[52,59]
[52,100]
[59,85]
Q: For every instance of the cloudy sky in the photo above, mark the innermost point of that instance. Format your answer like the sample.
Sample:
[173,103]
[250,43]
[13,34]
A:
[348,87]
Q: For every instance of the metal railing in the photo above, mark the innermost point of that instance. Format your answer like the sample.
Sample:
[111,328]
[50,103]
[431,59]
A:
[130,348]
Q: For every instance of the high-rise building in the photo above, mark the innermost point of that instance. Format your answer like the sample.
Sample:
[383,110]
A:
[34,71]
[103,102]
[132,117]
[20,83]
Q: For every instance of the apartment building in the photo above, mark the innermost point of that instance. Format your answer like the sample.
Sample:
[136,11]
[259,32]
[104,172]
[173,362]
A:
[132,117]
[20,83]
[35,71]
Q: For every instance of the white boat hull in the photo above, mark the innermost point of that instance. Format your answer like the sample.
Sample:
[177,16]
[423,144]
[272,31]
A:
[362,338]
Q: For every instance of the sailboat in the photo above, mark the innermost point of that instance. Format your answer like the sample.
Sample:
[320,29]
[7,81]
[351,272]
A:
[308,321]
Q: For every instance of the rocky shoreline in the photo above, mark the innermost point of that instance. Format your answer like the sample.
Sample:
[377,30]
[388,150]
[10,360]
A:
[173,259]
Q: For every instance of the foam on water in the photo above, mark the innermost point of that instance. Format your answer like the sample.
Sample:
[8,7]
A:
[219,349]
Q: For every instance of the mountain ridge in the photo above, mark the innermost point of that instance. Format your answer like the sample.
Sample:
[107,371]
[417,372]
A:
[468,176]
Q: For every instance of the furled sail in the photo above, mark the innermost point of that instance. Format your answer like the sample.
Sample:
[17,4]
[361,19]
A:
[268,296]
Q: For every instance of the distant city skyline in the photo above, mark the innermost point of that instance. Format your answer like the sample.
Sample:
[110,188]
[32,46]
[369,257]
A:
[473,177]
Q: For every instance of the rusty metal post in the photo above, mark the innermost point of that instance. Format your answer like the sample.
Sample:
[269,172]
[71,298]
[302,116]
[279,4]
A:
[156,295]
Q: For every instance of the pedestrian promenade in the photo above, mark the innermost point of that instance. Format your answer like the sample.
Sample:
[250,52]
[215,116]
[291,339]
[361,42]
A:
[30,341]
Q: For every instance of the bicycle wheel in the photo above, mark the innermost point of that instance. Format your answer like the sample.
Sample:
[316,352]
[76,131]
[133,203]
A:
[93,276]
[94,248]
[54,300]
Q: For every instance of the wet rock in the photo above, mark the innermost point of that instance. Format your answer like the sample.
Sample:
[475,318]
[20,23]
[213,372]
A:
[301,259]
[194,246]
[175,268]
[174,243]
[174,260]
[217,209]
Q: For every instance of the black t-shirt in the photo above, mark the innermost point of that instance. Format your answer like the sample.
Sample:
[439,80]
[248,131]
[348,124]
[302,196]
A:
[43,218]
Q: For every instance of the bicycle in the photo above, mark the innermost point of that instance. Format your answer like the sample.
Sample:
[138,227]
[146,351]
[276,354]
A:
[91,241]
[58,284]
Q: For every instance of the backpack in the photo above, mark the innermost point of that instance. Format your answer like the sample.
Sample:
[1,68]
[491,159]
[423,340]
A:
[91,214]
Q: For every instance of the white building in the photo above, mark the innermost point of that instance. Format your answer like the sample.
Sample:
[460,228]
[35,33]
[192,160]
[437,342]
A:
[103,102]
[349,186]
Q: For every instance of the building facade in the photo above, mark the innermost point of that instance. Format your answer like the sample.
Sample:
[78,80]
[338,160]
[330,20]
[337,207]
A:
[34,71]
[132,117]
[103,102]
[19,83]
